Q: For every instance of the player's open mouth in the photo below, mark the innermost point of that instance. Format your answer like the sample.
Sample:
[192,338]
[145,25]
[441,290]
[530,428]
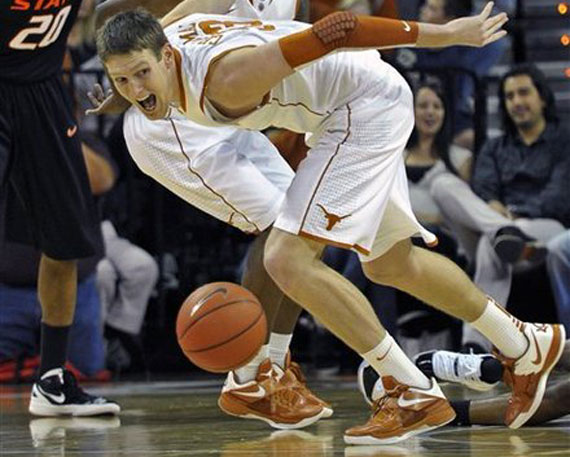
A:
[148,103]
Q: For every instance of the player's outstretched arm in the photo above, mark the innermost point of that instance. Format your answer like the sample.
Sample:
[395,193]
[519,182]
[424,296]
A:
[230,88]
[188,7]
[169,10]
[109,8]
[478,31]
[344,30]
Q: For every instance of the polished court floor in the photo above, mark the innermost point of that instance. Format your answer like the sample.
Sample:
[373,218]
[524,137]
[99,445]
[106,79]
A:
[182,419]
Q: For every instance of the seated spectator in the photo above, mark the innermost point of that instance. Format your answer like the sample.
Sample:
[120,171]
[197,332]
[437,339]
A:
[476,60]
[126,278]
[558,266]
[429,154]
[519,190]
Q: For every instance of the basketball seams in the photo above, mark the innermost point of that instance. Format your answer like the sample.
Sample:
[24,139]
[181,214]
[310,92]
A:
[228,339]
[201,316]
[233,337]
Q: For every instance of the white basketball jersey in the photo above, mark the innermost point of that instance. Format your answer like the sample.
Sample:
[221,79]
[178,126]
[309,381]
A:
[301,102]
[265,9]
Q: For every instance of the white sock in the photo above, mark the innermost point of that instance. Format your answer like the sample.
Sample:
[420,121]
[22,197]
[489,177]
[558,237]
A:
[278,347]
[502,329]
[249,372]
[388,359]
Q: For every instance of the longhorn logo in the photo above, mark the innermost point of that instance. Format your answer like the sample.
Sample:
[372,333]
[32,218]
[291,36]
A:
[332,219]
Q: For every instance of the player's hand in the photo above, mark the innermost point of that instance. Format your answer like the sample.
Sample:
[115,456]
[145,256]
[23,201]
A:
[479,30]
[111,103]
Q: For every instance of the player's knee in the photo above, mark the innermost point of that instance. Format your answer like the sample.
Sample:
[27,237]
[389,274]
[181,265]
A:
[281,263]
[390,268]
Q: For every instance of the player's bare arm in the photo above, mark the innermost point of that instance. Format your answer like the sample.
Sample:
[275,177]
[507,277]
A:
[169,10]
[188,7]
[229,87]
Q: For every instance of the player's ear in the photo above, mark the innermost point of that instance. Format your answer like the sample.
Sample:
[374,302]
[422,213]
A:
[168,55]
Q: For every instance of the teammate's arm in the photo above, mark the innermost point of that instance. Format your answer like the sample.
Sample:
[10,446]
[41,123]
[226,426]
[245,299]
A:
[229,86]
[188,7]
[109,8]
[169,10]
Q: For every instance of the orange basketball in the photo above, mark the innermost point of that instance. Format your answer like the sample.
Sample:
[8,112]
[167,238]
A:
[221,326]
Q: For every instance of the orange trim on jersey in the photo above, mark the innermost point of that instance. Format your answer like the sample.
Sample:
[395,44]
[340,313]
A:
[280,103]
[178,62]
[326,169]
[194,172]
[356,247]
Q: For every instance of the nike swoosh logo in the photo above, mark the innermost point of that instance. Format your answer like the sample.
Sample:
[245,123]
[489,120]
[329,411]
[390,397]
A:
[402,402]
[407,26]
[196,308]
[538,359]
[71,131]
[59,399]
[259,393]
[385,354]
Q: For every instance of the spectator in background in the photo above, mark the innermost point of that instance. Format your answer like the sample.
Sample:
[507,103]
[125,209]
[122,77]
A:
[429,152]
[476,60]
[520,187]
[558,266]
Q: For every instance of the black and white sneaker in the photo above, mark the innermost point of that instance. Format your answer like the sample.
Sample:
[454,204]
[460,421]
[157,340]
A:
[57,393]
[477,371]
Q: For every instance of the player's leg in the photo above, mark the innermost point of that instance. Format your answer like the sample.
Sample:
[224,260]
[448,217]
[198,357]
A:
[303,406]
[491,411]
[295,264]
[49,176]
[442,284]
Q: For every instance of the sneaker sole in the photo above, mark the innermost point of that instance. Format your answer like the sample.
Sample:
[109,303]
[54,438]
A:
[370,440]
[38,409]
[327,412]
[523,417]
[278,425]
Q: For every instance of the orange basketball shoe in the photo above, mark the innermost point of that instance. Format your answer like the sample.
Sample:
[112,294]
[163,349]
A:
[273,397]
[403,412]
[298,373]
[528,374]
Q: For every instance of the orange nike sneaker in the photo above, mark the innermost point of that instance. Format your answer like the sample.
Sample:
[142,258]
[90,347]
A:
[528,374]
[273,397]
[295,368]
[403,412]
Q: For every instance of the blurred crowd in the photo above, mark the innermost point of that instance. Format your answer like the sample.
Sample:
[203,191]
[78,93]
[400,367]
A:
[493,188]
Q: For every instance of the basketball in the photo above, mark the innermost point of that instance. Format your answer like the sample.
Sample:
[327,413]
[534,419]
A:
[221,326]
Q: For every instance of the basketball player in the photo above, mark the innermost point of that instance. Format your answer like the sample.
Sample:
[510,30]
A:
[41,164]
[351,189]
[245,189]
